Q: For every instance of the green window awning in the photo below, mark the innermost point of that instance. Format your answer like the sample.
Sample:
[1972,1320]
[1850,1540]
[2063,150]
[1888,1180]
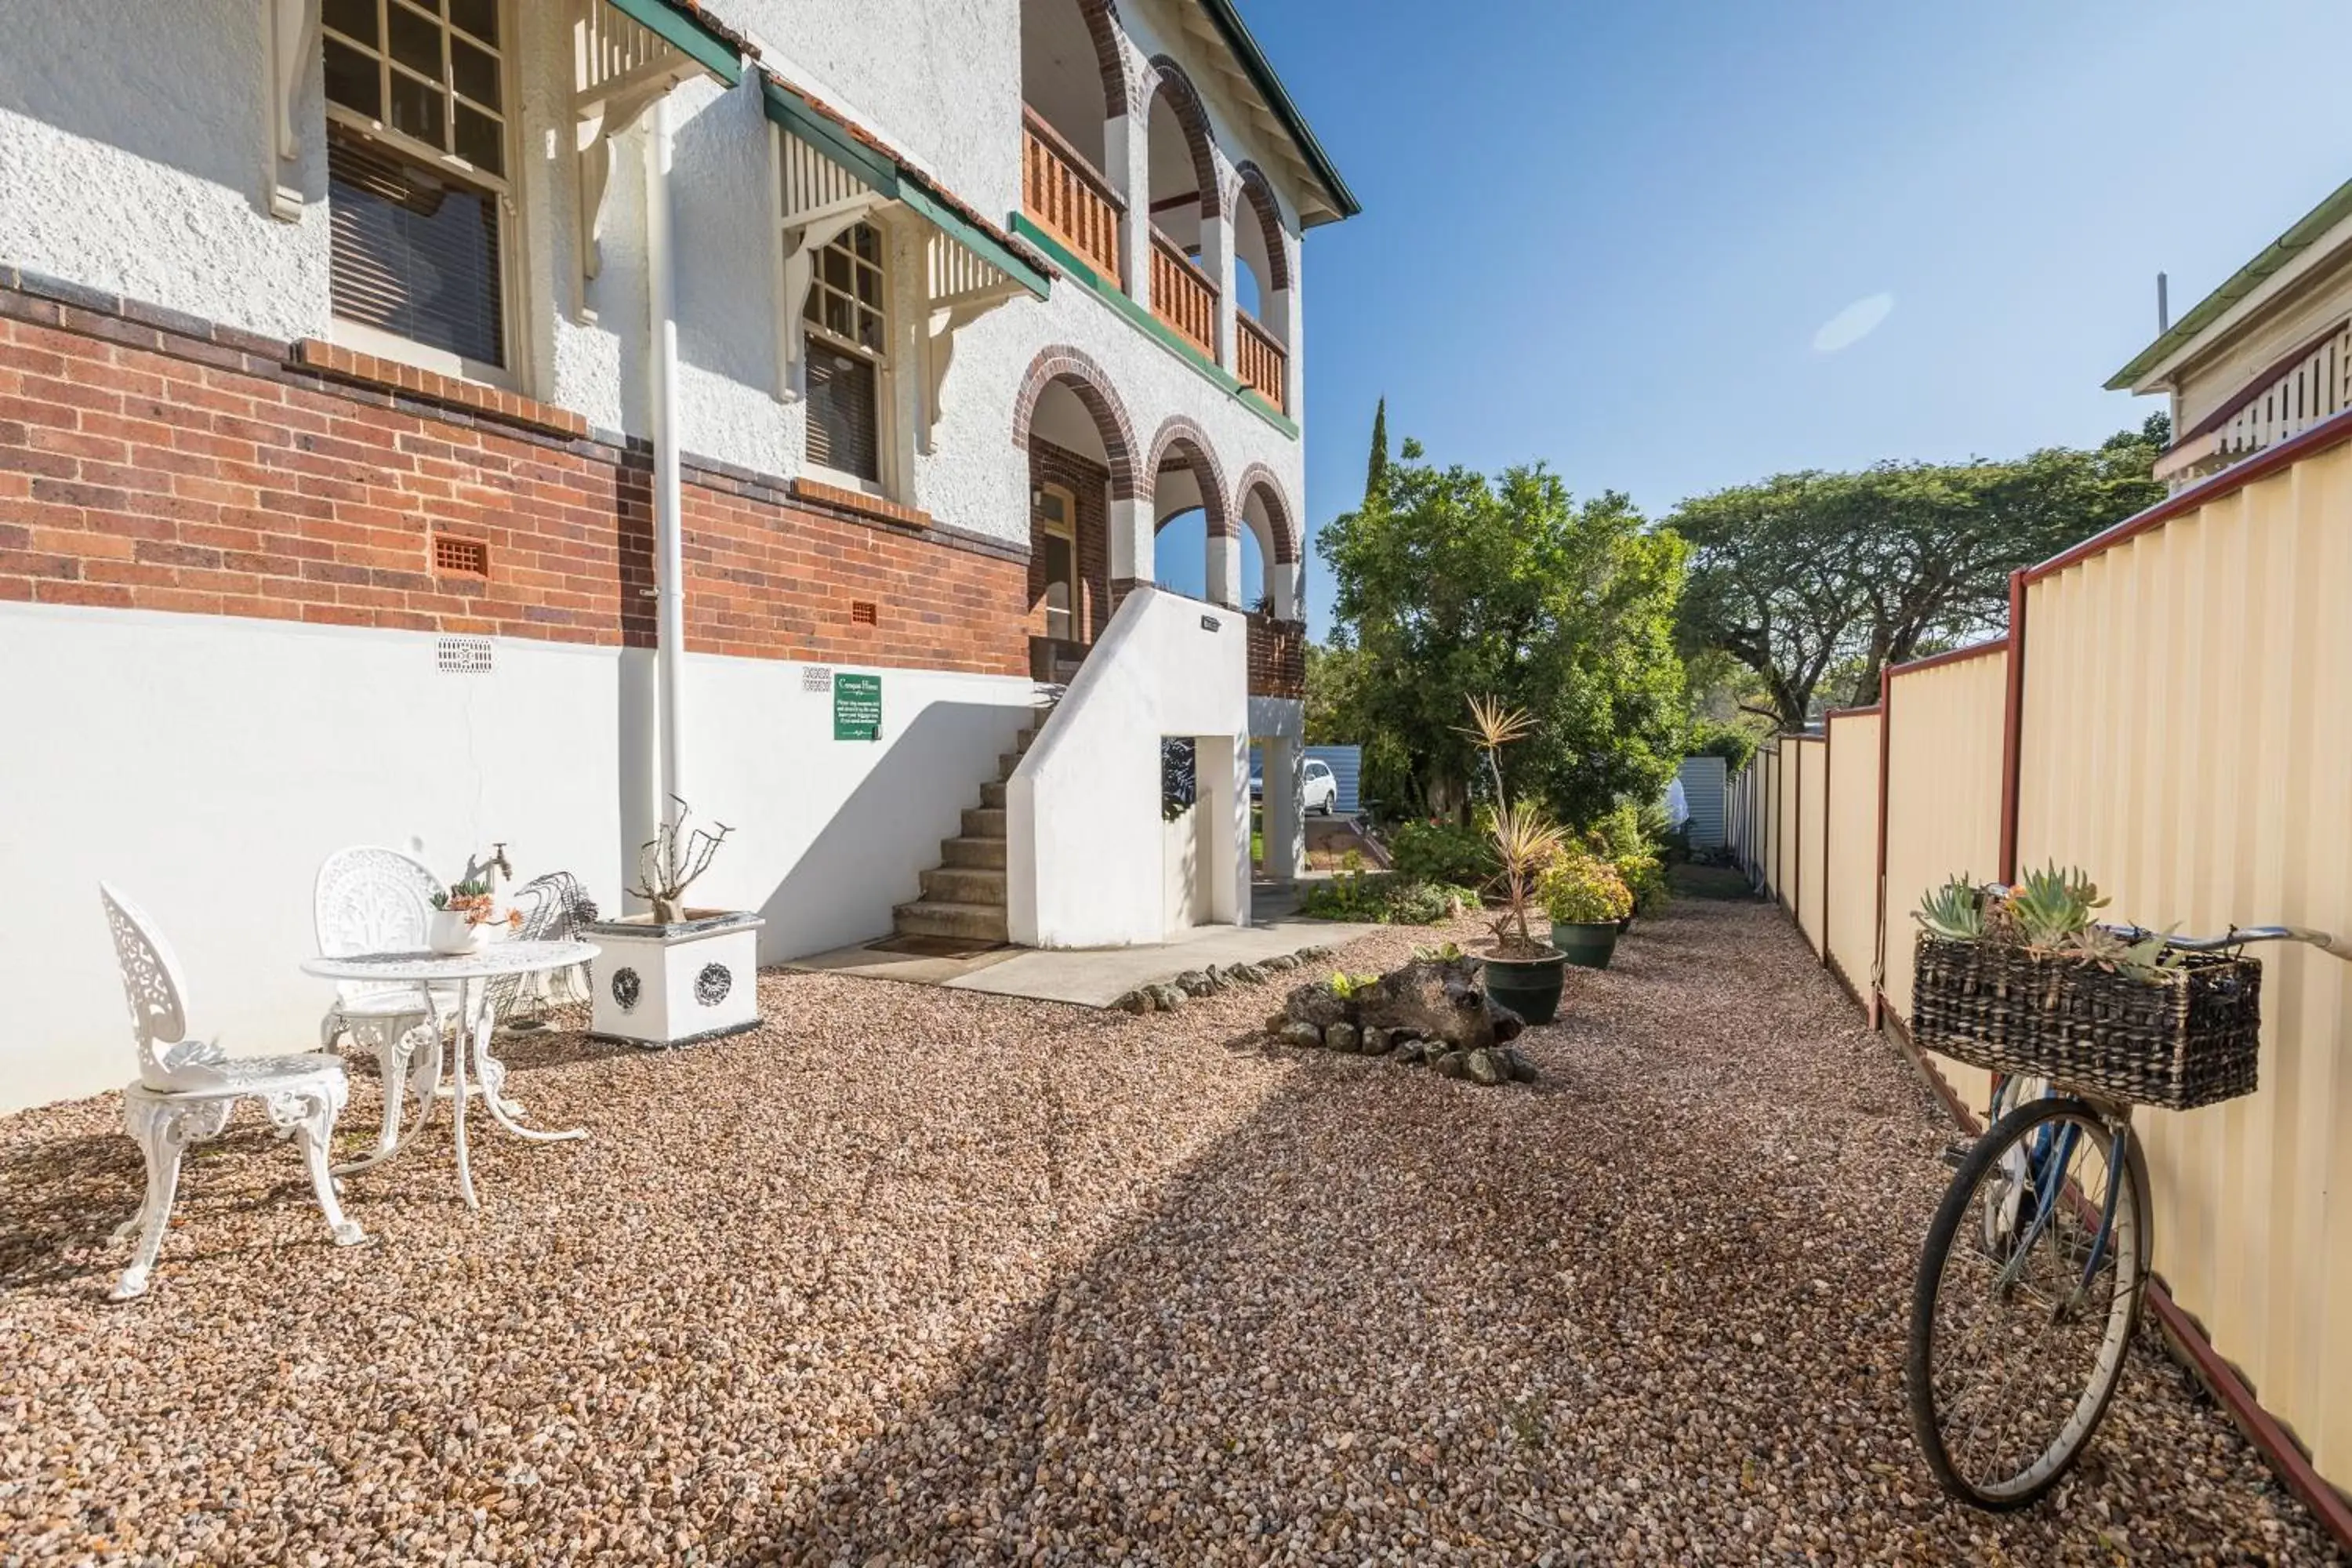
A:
[881,171]
[683,28]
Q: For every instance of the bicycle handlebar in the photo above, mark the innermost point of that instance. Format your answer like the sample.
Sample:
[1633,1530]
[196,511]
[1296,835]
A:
[2236,936]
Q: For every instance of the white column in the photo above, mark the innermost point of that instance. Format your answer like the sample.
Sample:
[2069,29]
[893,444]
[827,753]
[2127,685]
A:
[1224,574]
[1131,540]
[1221,774]
[1285,826]
[1126,164]
[670,547]
[1283,579]
[1217,261]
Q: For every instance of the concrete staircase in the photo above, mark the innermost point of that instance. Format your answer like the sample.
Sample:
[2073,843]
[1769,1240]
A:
[963,896]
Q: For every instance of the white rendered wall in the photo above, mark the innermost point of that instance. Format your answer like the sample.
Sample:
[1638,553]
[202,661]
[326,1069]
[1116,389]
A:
[1086,861]
[206,764]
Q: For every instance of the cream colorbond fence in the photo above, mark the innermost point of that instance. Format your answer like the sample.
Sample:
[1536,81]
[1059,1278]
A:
[2172,713]
[1850,880]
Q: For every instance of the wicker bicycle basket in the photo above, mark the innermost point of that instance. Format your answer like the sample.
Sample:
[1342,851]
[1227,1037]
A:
[2189,1037]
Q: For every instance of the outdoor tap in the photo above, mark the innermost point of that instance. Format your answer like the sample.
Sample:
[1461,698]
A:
[497,860]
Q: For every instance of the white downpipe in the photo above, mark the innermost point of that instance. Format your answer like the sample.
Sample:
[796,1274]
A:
[669,546]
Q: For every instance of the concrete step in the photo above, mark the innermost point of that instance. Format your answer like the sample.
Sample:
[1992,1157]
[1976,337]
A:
[973,852]
[983,821]
[940,917]
[991,794]
[1005,763]
[965,885]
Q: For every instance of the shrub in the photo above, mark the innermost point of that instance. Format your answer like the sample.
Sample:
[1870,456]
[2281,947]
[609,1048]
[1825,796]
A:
[1645,877]
[1585,890]
[1386,899]
[1733,743]
[1442,852]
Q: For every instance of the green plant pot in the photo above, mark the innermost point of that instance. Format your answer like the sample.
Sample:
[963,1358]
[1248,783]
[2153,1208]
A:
[1586,946]
[1527,986]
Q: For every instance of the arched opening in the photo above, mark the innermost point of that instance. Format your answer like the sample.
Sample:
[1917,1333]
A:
[1073,83]
[1266,523]
[1184,200]
[1192,530]
[1261,286]
[1081,471]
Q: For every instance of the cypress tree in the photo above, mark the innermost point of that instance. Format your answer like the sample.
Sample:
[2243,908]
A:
[1376,473]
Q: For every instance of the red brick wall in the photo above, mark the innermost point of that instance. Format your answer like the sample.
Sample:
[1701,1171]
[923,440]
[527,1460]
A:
[1090,483]
[1277,657]
[177,467]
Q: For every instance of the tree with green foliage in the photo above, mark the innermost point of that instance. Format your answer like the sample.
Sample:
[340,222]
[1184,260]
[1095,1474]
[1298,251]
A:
[1450,584]
[1376,471]
[1817,580]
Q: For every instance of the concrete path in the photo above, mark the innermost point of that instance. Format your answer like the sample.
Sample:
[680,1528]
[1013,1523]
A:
[1095,978]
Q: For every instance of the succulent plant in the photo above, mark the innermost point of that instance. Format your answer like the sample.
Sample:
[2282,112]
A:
[1954,912]
[2053,906]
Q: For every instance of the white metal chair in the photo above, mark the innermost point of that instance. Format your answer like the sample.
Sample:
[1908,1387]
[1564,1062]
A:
[373,900]
[187,1088]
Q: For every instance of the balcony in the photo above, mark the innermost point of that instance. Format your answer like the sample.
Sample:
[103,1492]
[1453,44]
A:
[1068,197]
[1183,297]
[1261,366]
[2283,401]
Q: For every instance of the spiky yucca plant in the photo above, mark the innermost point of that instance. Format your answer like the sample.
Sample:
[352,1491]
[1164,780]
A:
[1525,843]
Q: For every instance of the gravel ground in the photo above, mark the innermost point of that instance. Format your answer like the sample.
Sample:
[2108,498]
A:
[918,1276]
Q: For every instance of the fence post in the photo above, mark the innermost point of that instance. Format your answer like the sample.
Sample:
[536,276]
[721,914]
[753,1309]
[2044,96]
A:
[2013,727]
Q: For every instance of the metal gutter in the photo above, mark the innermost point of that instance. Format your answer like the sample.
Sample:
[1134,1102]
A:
[2242,282]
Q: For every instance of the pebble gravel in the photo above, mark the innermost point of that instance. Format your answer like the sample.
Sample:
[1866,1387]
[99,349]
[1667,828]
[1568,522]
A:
[916,1275]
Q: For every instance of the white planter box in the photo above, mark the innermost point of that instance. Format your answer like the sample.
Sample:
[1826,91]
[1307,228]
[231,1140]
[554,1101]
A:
[675,985]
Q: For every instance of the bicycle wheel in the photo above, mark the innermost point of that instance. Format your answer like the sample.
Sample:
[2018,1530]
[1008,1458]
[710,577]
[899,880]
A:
[2029,1289]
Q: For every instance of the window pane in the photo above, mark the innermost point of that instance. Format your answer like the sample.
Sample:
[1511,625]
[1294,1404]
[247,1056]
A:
[841,413]
[481,141]
[412,254]
[866,240]
[479,17]
[415,41]
[869,286]
[836,269]
[836,315]
[416,110]
[475,73]
[353,19]
[354,80]
[869,330]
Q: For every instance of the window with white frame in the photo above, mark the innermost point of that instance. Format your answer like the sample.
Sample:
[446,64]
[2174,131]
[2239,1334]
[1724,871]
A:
[417,153]
[847,324]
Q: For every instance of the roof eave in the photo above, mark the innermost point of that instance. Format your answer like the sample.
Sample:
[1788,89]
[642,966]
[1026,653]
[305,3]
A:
[1261,72]
[2139,375]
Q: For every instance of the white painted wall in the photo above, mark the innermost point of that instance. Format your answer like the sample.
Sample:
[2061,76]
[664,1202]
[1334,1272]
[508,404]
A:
[207,765]
[1085,864]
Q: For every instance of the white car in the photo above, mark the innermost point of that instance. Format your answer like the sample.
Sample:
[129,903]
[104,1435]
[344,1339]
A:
[1319,793]
[1319,796]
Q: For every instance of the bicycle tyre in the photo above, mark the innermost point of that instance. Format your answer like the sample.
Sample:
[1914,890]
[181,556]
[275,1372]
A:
[1955,1211]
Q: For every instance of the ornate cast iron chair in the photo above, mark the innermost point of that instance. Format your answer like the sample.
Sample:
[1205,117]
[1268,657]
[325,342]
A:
[187,1088]
[553,907]
[371,899]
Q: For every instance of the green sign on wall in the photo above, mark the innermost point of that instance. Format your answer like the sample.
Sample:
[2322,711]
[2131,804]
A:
[857,707]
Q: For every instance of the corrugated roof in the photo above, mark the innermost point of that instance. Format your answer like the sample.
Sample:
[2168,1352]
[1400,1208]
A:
[2242,282]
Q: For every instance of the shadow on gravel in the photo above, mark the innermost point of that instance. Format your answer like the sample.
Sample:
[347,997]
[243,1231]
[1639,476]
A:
[1655,1312]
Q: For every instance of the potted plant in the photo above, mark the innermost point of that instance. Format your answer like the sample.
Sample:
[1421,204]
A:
[675,976]
[1587,903]
[466,917]
[1522,973]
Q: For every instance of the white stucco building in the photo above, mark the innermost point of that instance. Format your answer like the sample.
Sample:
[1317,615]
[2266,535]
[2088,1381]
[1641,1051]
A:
[431,425]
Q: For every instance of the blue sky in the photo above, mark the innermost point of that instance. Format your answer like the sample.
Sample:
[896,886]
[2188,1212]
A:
[1607,235]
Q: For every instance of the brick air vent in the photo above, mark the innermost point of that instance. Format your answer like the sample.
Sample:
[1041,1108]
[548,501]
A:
[463,557]
[861,613]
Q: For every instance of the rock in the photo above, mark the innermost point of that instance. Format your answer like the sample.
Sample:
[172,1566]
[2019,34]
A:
[1279,962]
[1195,982]
[1242,974]
[1134,1002]
[1303,1035]
[1375,1042]
[1168,998]
[1482,1067]
[1312,954]
[1412,1051]
[1522,1069]
[1316,1003]
[1506,1025]
[1453,1064]
[1341,1037]
[1432,999]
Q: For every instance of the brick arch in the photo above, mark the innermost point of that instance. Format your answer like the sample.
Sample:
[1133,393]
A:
[1168,77]
[1181,439]
[1287,545]
[1091,385]
[1110,54]
[1257,195]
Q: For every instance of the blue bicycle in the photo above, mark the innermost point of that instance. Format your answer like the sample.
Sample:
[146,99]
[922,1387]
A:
[2031,1282]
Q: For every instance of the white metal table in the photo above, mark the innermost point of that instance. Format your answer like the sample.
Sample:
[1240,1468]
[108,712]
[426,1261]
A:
[470,973]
